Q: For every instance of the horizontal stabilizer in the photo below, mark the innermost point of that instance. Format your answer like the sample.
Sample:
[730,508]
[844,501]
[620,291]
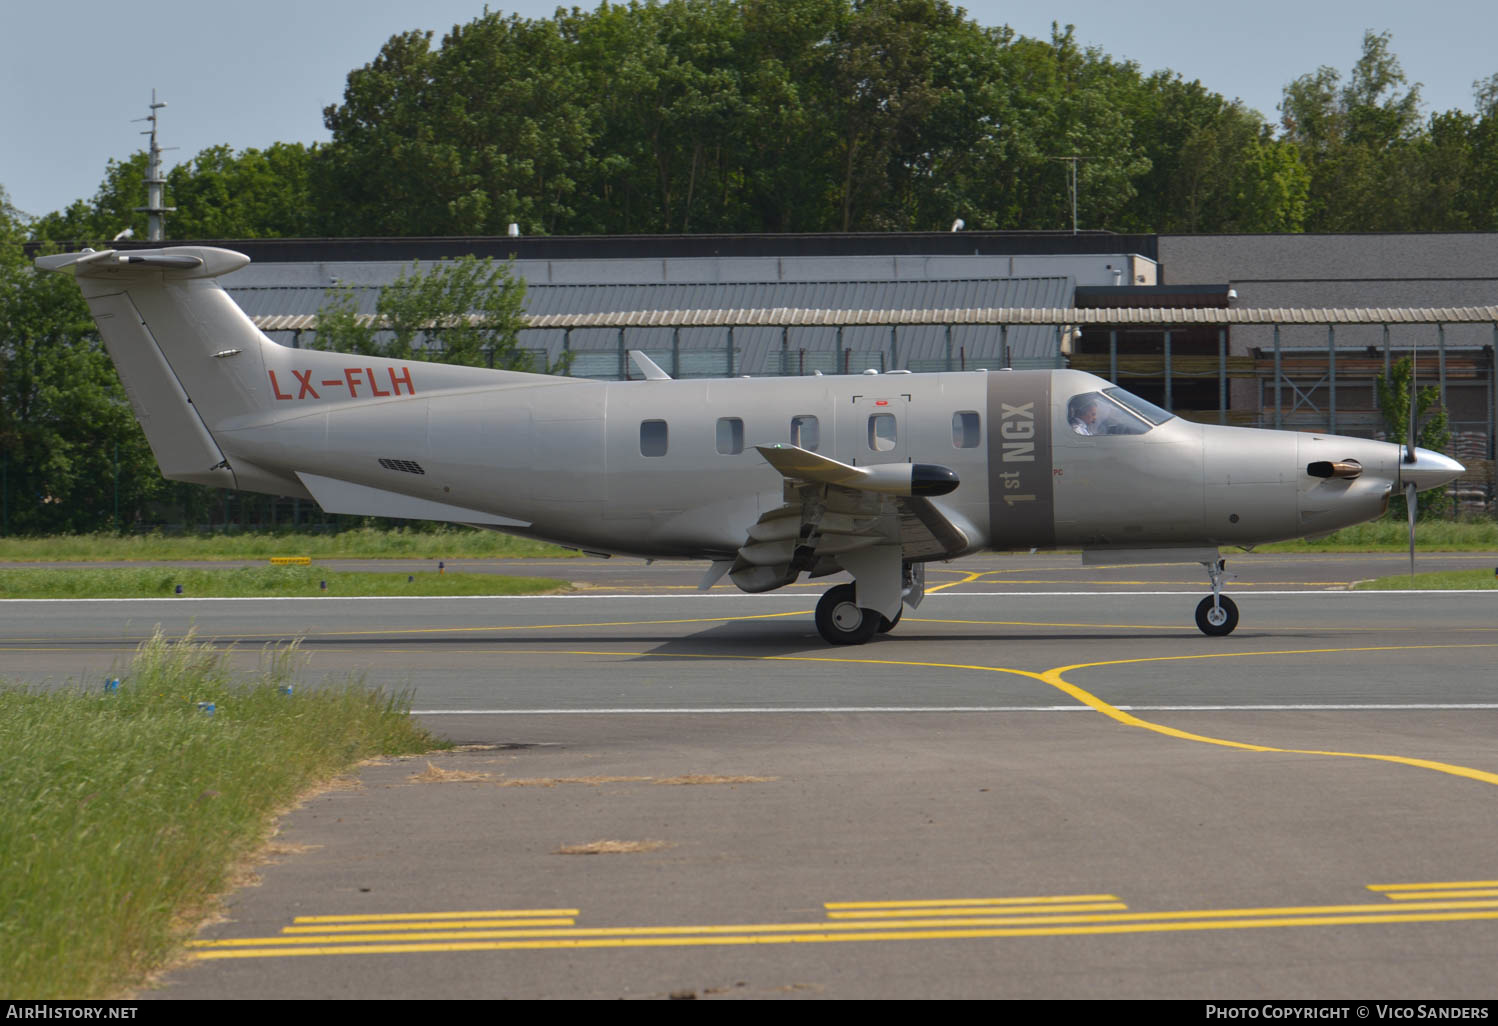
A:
[183,261]
[336,496]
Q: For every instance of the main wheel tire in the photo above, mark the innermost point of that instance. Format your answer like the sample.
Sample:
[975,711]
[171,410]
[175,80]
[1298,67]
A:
[886,624]
[841,622]
[1219,622]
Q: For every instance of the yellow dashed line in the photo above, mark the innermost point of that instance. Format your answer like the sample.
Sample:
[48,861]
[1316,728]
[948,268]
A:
[452,924]
[946,902]
[1489,892]
[885,930]
[1442,885]
[1096,906]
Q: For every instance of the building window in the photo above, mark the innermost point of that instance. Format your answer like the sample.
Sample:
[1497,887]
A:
[730,436]
[965,430]
[882,432]
[805,433]
[652,438]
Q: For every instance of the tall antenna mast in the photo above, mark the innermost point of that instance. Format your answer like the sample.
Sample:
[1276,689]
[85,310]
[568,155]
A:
[155,183]
[1073,183]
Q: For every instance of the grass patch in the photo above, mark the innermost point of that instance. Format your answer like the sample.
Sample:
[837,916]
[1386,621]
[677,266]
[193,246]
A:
[1393,536]
[251,582]
[1449,580]
[365,543]
[123,813]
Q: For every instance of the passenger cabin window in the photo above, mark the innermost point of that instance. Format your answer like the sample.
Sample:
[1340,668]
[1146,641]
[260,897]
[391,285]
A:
[1097,413]
[882,430]
[805,432]
[730,435]
[652,438]
[965,430]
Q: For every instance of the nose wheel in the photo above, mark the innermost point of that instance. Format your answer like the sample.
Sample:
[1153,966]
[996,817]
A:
[1217,615]
[840,621]
[1216,621]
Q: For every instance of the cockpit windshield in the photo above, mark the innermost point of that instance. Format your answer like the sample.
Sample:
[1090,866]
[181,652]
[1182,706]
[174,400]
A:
[1148,410]
[1112,411]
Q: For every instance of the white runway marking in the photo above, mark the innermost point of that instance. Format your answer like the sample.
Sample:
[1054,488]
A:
[722,710]
[802,597]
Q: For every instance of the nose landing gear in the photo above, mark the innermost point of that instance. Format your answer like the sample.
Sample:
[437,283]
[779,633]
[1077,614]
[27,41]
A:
[1217,615]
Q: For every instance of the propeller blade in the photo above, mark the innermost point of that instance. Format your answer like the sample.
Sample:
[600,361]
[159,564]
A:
[1409,448]
[1410,503]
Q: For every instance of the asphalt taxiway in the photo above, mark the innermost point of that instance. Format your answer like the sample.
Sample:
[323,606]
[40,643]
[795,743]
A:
[1049,789]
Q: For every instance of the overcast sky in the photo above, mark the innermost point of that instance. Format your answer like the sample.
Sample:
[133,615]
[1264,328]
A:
[74,75]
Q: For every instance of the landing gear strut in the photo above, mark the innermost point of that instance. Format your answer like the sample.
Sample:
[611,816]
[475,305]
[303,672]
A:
[1217,614]
[840,620]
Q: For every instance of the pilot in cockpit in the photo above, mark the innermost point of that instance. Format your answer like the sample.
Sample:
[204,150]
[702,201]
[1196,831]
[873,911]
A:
[1084,415]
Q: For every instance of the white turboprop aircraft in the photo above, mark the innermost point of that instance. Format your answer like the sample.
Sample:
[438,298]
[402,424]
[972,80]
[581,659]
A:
[768,478]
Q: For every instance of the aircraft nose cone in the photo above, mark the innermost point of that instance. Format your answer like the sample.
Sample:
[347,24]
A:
[1430,470]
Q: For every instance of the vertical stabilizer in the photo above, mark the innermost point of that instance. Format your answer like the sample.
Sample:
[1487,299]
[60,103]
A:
[189,358]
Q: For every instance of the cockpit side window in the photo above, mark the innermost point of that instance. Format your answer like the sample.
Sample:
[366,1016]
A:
[1094,413]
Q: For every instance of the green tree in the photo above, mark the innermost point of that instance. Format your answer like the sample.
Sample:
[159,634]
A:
[1359,142]
[465,311]
[1433,430]
[111,211]
[251,194]
[71,452]
[493,127]
[218,194]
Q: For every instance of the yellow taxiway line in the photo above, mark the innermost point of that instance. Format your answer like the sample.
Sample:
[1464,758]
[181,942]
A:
[894,928]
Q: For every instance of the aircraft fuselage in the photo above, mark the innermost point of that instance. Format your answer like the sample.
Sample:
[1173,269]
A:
[769,478]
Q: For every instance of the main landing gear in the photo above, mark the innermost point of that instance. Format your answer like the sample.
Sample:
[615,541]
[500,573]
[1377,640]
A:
[1217,614]
[841,622]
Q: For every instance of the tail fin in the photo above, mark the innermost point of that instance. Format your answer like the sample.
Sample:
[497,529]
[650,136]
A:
[188,356]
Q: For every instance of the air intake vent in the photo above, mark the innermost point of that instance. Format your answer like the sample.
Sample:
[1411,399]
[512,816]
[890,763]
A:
[404,466]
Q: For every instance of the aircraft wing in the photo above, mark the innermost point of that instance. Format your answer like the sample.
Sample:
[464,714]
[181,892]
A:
[833,512]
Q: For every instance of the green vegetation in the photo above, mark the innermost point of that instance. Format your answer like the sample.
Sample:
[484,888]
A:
[1463,580]
[124,812]
[820,115]
[365,543]
[708,116]
[1432,431]
[1390,535]
[255,582]
[421,316]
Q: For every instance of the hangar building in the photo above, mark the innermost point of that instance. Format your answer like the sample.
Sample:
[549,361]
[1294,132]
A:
[1263,330]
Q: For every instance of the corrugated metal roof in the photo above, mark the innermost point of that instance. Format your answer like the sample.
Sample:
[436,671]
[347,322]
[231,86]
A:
[811,339]
[547,300]
[1022,315]
[1017,315]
